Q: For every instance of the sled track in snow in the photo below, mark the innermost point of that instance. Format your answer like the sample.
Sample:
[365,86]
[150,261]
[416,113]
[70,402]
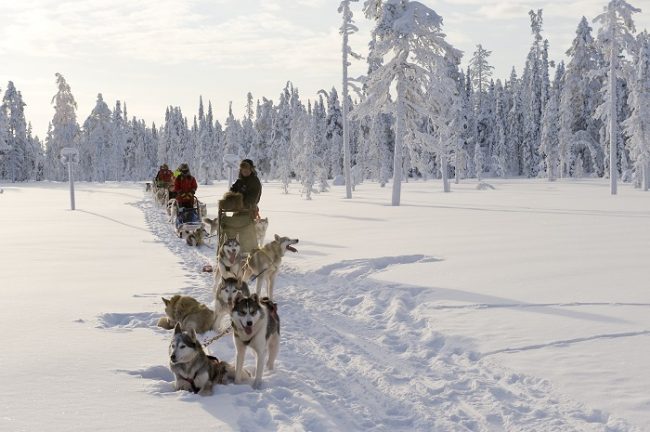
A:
[355,355]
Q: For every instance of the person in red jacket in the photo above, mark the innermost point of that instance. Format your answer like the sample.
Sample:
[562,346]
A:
[185,187]
[165,177]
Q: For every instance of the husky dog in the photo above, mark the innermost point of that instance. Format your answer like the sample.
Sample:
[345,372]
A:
[172,210]
[229,259]
[261,225]
[193,237]
[188,312]
[264,263]
[213,224]
[194,370]
[225,294]
[255,324]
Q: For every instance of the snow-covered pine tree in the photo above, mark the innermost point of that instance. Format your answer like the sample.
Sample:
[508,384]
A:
[260,153]
[64,130]
[334,135]
[637,126]
[95,143]
[515,125]
[550,139]
[615,37]
[15,137]
[410,35]
[480,73]
[578,101]
[115,160]
[281,139]
[233,135]
[532,96]
[347,28]
[499,157]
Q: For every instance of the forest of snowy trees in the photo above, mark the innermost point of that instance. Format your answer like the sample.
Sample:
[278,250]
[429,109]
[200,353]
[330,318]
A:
[417,113]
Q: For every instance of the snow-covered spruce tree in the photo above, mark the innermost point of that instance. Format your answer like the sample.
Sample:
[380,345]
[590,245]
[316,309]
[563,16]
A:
[578,101]
[320,143]
[173,149]
[306,163]
[334,134]
[408,34]
[347,28]
[204,158]
[64,131]
[260,153]
[4,143]
[532,92]
[281,139]
[16,164]
[498,158]
[118,144]
[34,156]
[550,140]
[637,126]
[249,134]
[615,36]
[481,72]
[515,126]
[233,135]
[95,143]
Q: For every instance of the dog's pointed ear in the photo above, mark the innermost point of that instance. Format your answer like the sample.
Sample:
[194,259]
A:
[177,328]
[193,334]
[165,301]
[255,298]
[237,237]
[238,296]
[277,237]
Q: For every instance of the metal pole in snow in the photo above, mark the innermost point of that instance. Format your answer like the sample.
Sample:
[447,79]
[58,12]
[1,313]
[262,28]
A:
[71,184]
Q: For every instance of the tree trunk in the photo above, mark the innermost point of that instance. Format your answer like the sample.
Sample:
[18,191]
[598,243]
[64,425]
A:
[346,132]
[613,120]
[399,142]
[443,166]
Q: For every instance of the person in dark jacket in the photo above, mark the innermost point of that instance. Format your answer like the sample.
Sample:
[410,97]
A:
[248,184]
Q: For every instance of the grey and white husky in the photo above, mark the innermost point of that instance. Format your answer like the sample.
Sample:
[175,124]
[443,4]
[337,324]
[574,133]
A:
[229,259]
[194,370]
[227,290]
[255,324]
[261,225]
[263,263]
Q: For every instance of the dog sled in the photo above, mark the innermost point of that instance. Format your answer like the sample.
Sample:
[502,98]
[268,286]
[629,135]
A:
[188,222]
[232,220]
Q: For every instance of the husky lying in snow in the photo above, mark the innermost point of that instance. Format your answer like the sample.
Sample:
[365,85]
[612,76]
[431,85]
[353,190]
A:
[255,324]
[188,312]
[193,236]
[194,370]
[264,263]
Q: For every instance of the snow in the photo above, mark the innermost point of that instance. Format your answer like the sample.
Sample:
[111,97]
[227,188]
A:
[521,308]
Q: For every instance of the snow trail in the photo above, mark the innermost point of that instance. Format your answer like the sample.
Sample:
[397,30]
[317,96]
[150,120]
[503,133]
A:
[356,353]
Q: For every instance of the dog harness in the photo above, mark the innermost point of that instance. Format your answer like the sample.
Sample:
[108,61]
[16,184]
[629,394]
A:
[196,389]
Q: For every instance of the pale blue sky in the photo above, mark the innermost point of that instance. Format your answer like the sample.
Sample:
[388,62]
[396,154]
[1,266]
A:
[155,53]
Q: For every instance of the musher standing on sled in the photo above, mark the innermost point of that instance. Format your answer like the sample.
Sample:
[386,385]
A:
[248,184]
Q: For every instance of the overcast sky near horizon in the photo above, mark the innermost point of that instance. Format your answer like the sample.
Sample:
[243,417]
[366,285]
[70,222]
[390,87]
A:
[156,53]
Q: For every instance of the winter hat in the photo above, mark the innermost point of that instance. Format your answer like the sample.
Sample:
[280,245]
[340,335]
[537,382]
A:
[184,168]
[247,162]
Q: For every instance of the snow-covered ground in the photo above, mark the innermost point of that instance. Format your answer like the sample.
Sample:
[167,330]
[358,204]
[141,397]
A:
[519,308]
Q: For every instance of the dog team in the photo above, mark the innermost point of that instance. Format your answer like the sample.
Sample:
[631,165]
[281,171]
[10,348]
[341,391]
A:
[254,319]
